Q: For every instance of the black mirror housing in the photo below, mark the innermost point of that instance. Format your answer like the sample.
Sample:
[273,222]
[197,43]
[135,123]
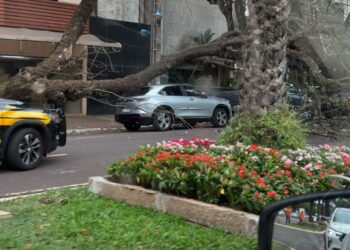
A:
[268,215]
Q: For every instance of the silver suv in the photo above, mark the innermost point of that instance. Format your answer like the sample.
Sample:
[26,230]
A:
[163,105]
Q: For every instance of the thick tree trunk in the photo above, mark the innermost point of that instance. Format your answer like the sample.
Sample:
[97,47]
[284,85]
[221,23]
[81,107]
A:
[265,58]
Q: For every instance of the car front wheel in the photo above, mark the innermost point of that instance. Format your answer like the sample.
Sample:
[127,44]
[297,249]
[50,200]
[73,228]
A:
[163,119]
[25,149]
[220,117]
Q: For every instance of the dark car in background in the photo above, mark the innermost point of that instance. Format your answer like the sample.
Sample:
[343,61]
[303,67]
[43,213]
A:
[230,94]
[295,98]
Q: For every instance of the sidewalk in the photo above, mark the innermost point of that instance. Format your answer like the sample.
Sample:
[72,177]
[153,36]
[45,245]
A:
[87,125]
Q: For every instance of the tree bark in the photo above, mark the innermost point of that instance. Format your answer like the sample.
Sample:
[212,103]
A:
[64,49]
[62,90]
[240,8]
[227,10]
[265,57]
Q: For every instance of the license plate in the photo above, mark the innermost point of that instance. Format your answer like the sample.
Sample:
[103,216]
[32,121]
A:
[126,110]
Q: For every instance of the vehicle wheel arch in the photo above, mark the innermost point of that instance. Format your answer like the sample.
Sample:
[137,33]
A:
[225,108]
[38,126]
[165,107]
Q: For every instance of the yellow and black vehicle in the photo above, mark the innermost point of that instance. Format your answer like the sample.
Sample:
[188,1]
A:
[29,133]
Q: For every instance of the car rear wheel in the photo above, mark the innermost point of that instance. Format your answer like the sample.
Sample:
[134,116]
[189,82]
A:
[163,119]
[220,117]
[25,149]
[132,126]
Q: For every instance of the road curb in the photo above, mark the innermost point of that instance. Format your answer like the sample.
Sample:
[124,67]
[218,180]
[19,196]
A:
[17,195]
[92,131]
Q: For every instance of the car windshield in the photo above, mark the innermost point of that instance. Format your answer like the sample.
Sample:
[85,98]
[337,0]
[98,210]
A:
[342,216]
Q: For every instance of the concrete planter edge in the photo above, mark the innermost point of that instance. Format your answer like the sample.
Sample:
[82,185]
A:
[195,211]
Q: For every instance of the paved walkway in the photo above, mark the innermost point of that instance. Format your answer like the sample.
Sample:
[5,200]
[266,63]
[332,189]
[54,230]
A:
[80,124]
[84,122]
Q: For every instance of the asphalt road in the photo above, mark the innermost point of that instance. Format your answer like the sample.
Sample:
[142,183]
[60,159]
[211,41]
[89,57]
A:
[298,239]
[83,157]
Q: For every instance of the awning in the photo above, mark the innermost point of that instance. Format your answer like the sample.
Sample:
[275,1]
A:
[24,34]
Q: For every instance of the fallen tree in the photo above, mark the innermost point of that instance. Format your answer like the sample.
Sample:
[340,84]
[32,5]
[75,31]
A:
[262,49]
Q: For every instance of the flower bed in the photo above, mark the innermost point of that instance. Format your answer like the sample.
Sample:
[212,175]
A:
[238,176]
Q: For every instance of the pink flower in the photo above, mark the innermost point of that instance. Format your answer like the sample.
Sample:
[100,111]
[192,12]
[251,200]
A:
[309,165]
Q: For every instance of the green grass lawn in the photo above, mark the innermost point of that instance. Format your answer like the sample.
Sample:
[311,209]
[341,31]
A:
[88,221]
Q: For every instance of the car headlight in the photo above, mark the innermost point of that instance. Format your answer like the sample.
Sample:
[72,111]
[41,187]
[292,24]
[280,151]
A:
[335,234]
[55,118]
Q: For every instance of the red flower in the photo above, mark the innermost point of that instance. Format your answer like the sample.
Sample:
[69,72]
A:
[253,173]
[322,175]
[220,158]
[271,194]
[142,153]
[254,147]
[149,164]
[309,173]
[289,180]
[257,195]
[241,173]
[287,172]
[260,181]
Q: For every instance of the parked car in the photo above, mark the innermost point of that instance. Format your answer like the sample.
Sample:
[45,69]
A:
[295,97]
[231,94]
[29,133]
[337,229]
[163,105]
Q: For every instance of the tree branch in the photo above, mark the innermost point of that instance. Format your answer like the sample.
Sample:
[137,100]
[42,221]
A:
[62,90]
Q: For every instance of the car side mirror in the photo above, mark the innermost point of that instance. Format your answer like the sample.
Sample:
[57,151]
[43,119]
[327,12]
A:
[311,221]
[204,95]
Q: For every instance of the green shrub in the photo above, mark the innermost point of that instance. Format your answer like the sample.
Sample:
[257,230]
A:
[277,128]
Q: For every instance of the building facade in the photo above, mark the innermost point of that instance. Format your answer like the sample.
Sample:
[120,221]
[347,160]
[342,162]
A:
[147,29]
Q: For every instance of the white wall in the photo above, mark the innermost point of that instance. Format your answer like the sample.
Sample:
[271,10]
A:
[185,18]
[123,10]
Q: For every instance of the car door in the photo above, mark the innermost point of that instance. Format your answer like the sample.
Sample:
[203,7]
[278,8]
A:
[199,104]
[173,96]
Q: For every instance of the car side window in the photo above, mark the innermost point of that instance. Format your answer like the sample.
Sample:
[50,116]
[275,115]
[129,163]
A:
[191,91]
[171,91]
